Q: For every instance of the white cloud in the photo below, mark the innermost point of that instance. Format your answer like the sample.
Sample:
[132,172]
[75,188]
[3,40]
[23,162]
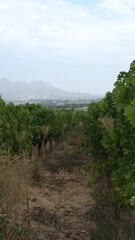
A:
[120,8]
[65,26]
[63,29]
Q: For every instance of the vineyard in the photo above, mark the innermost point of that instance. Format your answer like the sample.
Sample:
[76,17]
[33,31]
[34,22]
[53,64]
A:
[110,128]
[97,146]
[24,126]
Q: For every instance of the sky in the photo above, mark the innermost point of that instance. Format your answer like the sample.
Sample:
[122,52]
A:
[76,45]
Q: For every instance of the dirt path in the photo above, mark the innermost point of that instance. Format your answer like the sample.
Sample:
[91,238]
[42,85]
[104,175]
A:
[60,203]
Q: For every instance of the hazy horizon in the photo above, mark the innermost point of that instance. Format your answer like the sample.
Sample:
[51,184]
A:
[53,85]
[74,45]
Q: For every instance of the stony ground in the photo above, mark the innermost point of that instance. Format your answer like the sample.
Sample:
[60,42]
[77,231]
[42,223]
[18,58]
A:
[60,201]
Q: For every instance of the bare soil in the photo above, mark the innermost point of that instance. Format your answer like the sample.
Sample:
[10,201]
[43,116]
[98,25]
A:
[60,200]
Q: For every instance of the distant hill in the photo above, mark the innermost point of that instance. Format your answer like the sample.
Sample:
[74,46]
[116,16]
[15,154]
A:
[14,91]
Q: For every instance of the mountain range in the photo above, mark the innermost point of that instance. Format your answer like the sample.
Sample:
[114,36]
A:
[14,91]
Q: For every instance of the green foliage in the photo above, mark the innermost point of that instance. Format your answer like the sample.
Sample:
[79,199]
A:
[93,127]
[130,113]
[22,126]
[110,130]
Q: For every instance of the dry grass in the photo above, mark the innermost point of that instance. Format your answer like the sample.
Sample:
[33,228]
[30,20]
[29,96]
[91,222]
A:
[108,124]
[15,174]
[112,223]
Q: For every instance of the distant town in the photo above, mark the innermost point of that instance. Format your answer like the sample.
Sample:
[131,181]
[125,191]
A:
[81,103]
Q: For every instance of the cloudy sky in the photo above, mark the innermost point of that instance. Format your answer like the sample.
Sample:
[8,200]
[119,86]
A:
[78,45]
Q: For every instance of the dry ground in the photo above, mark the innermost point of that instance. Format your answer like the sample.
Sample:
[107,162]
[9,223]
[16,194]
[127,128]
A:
[60,200]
